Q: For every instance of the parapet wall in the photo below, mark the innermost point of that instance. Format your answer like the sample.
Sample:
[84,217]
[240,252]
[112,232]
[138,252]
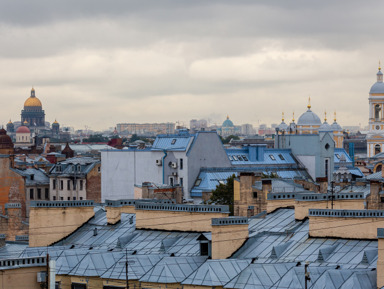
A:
[347,201]
[175,217]
[49,221]
[353,224]
[228,235]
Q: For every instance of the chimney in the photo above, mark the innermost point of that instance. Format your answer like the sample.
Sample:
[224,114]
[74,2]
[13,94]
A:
[267,187]
[256,152]
[228,235]
[323,183]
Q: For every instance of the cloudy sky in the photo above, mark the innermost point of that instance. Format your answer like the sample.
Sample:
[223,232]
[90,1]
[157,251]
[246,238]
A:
[98,63]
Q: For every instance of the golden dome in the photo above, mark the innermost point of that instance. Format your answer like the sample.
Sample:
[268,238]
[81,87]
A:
[32,101]
[55,121]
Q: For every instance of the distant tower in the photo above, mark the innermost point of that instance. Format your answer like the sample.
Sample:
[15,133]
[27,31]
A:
[33,112]
[375,137]
[6,144]
[10,127]
[55,127]
[68,152]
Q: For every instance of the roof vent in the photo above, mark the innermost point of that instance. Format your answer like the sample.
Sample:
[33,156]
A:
[95,232]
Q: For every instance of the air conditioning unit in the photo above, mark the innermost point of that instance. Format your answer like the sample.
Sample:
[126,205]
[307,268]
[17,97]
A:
[173,165]
[41,276]
[174,174]
[158,162]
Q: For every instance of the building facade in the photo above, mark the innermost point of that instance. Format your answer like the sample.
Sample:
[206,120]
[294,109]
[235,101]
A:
[145,128]
[375,137]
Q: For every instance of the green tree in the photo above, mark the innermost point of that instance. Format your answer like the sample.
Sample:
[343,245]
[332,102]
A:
[228,138]
[223,194]
[270,175]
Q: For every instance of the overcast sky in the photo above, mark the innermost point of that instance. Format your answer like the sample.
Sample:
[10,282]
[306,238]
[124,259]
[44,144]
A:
[99,63]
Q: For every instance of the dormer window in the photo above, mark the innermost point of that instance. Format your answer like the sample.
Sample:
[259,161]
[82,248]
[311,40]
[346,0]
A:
[281,157]
[58,168]
[173,141]
[78,168]
[272,157]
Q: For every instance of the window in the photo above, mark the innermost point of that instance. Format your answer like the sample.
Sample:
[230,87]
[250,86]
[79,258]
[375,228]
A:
[240,158]
[98,169]
[181,164]
[377,112]
[382,199]
[171,181]
[78,286]
[68,184]
[230,158]
[235,158]
[326,168]
[69,198]
[31,197]
[221,182]
[81,198]
[79,168]
[337,155]
[181,181]
[58,168]
[327,146]
[46,193]
[74,198]
[54,184]
[173,141]
[54,198]
[61,185]
[204,249]
[61,198]
[281,157]
[39,194]
[32,177]
[198,182]
[81,185]
[377,149]
[74,184]
[255,195]
[272,157]
[245,158]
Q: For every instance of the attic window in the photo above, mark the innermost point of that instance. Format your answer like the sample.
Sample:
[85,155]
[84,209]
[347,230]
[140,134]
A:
[327,146]
[235,158]
[221,182]
[281,157]
[230,158]
[338,156]
[173,141]
[58,168]
[197,183]
[245,158]
[272,157]
[240,158]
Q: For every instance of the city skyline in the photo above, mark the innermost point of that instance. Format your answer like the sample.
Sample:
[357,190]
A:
[97,64]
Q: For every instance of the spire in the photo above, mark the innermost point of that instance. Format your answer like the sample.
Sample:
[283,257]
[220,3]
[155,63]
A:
[227,116]
[32,92]
[282,116]
[293,117]
[334,116]
[325,116]
[379,74]
[309,103]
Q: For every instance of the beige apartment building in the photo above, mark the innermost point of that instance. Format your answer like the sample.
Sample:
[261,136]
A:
[146,128]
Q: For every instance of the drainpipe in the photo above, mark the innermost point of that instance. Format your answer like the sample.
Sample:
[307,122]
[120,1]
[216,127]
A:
[162,162]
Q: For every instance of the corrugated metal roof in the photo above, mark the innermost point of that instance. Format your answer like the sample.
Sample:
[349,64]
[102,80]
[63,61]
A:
[173,269]
[216,272]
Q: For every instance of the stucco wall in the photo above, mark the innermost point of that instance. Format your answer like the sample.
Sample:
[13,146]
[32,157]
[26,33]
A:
[353,228]
[49,225]
[20,278]
[227,239]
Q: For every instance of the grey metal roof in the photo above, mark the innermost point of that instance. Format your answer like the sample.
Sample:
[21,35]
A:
[33,176]
[173,269]
[138,265]
[260,276]
[216,272]
[309,118]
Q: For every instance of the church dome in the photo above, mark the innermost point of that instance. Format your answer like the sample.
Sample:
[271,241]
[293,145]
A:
[378,87]
[5,140]
[32,100]
[336,127]
[227,123]
[23,129]
[309,118]
[325,127]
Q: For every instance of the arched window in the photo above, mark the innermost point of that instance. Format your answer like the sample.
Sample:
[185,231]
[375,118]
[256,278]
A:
[378,168]
[377,112]
[377,149]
